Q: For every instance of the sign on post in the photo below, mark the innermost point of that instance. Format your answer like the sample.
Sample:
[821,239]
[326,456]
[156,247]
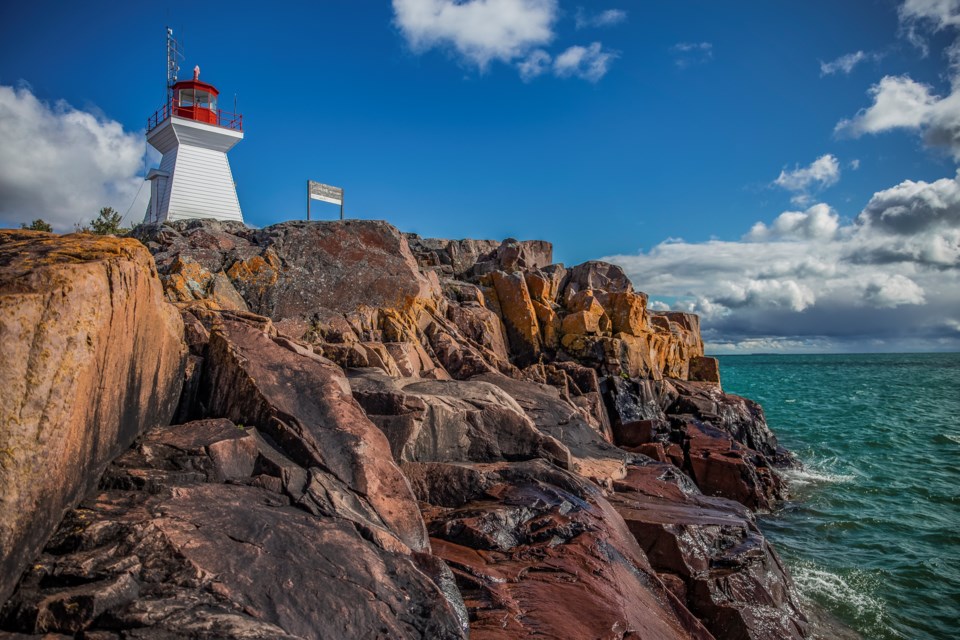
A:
[325,193]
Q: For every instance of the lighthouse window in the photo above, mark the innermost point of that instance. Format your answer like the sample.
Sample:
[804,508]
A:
[206,100]
[186,97]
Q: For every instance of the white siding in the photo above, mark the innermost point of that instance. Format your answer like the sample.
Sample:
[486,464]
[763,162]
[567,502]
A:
[201,183]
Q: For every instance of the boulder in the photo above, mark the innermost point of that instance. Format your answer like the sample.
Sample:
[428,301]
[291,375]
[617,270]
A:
[451,420]
[519,316]
[742,418]
[539,552]
[303,402]
[481,325]
[591,454]
[455,258]
[721,466]
[627,311]
[727,573]
[93,356]
[187,556]
[340,266]
[513,255]
[595,275]
[704,370]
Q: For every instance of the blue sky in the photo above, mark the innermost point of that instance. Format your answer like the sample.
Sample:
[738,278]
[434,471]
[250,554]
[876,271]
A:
[648,122]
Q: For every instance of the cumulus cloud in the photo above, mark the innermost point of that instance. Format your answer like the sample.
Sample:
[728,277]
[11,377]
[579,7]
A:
[62,164]
[913,222]
[808,281]
[822,172]
[479,30]
[589,63]
[900,102]
[510,31]
[686,54]
[819,222]
[606,18]
[844,64]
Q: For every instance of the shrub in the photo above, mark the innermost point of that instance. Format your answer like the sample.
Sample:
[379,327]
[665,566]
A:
[107,223]
[38,225]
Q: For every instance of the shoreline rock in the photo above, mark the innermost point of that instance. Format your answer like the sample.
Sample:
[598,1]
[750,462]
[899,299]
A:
[501,441]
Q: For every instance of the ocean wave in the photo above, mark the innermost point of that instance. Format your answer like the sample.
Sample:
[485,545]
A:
[816,473]
[944,438]
[848,593]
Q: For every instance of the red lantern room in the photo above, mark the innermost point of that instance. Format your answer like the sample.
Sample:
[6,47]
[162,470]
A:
[196,100]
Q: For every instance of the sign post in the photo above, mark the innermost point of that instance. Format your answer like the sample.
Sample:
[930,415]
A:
[325,193]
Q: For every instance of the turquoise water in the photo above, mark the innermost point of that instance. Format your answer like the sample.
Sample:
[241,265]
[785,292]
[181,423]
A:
[873,531]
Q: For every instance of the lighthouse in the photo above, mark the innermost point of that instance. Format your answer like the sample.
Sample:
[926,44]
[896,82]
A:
[194,135]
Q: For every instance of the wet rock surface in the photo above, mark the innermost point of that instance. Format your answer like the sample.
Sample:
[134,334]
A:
[712,553]
[382,435]
[529,544]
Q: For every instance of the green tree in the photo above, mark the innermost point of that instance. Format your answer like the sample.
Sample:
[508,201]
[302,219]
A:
[107,223]
[38,225]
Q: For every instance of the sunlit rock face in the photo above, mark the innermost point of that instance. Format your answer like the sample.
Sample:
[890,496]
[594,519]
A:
[92,357]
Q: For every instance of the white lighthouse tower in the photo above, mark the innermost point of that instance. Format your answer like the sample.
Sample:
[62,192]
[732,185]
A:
[194,179]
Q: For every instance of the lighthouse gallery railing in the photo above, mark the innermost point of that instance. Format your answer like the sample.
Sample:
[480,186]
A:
[218,117]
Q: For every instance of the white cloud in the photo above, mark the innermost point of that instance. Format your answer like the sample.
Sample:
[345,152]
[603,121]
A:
[889,291]
[942,13]
[479,30]
[822,172]
[900,102]
[590,63]
[535,64]
[819,222]
[915,15]
[690,53]
[914,206]
[606,18]
[855,164]
[844,64]
[63,165]
[808,281]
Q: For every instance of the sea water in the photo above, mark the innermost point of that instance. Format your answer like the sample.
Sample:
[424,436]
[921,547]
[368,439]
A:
[872,531]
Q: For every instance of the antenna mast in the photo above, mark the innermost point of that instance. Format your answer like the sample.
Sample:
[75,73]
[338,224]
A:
[174,55]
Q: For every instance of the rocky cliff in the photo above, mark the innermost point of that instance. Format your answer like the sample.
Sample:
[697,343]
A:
[381,435]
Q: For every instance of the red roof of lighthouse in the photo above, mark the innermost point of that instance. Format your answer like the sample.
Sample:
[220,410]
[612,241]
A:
[196,84]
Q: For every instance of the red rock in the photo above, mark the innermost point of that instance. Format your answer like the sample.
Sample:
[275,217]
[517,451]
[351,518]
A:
[93,356]
[591,454]
[304,403]
[223,560]
[731,578]
[530,545]
[452,421]
[704,370]
[482,326]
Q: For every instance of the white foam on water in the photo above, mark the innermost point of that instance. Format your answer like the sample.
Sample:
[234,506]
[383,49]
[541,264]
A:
[952,438]
[850,592]
[817,473]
